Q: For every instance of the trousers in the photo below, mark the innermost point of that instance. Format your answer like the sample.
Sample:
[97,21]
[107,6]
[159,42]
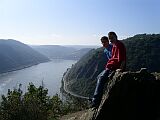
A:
[101,80]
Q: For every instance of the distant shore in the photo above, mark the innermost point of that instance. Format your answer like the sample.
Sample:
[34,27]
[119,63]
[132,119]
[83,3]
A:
[20,68]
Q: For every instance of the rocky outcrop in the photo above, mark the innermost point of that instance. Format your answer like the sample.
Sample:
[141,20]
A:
[132,96]
[128,96]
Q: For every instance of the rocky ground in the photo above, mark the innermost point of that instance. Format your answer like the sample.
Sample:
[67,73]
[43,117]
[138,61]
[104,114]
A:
[81,115]
[128,96]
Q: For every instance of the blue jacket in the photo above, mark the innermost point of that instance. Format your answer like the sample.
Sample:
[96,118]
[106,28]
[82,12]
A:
[108,52]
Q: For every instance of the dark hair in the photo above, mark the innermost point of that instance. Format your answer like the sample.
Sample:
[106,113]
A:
[104,38]
[112,33]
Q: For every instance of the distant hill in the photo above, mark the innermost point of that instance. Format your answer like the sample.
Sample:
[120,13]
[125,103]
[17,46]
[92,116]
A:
[16,55]
[142,51]
[77,54]
[61,52]
[78,47]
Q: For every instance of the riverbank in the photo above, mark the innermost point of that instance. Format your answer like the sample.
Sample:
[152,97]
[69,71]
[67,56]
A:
[66,90]
[20,68]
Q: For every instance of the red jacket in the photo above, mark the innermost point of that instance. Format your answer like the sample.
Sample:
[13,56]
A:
[118,55]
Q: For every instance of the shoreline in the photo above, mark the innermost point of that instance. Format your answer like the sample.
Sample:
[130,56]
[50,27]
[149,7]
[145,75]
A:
[20,68]
[64,87]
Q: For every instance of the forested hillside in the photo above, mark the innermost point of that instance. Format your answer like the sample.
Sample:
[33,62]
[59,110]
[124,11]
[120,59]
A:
[16,55]
[142,51]
[82,75]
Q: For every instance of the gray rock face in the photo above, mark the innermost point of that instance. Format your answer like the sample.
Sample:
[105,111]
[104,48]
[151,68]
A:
[129,96]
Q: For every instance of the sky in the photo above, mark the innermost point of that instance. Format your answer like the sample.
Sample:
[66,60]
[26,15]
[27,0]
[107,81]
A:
[76,22]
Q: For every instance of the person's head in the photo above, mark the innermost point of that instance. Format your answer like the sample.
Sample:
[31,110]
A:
[112,37]
[105,41]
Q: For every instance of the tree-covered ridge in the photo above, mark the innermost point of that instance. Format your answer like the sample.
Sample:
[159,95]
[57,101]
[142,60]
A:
[142,51]
[15,55]
[81,77]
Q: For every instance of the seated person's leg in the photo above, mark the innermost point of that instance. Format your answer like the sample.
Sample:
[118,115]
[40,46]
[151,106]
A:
[101,80]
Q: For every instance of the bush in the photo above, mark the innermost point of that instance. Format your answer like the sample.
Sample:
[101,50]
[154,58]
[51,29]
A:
[35,104]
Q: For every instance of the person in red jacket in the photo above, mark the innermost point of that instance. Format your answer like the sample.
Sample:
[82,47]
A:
[117,61]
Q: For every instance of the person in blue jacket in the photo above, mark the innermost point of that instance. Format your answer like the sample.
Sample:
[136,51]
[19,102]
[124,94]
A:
[107,47]
[100,82]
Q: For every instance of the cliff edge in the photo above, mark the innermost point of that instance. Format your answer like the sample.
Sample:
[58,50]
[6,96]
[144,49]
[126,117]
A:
[128,96]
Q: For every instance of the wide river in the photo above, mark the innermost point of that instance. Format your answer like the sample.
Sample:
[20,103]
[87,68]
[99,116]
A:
[50,73]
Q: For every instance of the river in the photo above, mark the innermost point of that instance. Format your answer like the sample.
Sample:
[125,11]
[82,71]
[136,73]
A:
[50,73]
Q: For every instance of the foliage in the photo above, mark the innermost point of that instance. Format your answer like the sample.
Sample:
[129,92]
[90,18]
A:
[143,51]
[35,104]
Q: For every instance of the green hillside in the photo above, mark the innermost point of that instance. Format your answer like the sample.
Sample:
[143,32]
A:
[81,76]
[143,51]
[15,55]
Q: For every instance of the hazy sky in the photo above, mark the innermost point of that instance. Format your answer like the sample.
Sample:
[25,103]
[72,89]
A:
[76,21]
